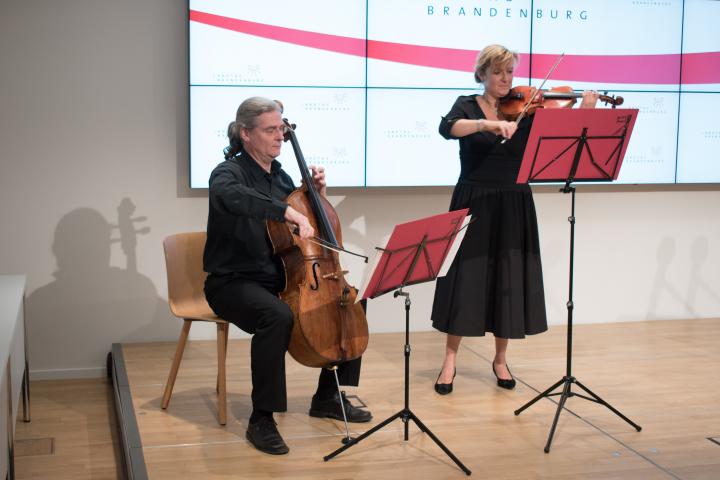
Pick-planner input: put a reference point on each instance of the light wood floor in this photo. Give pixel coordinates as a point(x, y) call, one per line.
point(71, 434)
point(662, 375)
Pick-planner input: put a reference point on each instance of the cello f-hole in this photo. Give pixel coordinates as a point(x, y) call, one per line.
point(315, 276)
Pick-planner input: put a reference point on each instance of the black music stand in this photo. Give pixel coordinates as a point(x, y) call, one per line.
point(575, 146)
point(434, 239)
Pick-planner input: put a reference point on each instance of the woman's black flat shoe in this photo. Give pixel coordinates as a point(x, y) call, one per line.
point(501, 382)
point(444, 388)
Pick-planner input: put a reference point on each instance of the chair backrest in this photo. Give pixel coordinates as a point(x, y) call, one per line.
point(185, 275)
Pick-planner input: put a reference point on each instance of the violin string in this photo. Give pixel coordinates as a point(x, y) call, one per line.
point(527, 105)
point(552, 69)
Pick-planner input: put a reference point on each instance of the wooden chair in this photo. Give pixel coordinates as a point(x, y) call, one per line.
point(186, 278)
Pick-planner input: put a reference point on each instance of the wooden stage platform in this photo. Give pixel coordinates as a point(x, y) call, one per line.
point(663, 375)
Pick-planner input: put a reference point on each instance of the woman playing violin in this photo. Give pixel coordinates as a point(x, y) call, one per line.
point(495, 283)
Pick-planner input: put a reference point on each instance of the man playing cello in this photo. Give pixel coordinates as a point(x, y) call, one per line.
point(245, 191)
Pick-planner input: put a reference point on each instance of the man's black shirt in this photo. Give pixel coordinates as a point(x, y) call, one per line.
point(242, 197)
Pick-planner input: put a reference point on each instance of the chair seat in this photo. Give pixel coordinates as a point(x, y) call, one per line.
point(194, 308)
point(199, 313)
point(211, 317)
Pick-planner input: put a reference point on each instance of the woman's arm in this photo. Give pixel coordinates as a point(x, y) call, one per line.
point(465, 127)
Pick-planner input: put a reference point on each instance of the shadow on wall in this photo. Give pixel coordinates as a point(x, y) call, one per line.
point(663, 286)
point(73, 320)
point(697, 284)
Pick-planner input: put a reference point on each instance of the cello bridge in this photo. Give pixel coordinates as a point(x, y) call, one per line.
point(344, 297)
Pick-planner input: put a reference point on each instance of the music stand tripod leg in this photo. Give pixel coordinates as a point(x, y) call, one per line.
point(539, 396)
point(561, 403)
point(405, 414)
point(363, 436)
point(437, 441)
point(612, 409)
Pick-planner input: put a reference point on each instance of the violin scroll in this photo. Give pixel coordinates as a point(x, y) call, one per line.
point(612, 100)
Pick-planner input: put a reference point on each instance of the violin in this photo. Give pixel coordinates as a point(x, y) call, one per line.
point(329, 326)
point(525, 99)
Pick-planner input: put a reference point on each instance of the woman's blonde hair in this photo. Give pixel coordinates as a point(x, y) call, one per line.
point(493, 55)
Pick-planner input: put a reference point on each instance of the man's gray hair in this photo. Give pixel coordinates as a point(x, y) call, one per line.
point(246, 117)
point(253, 107)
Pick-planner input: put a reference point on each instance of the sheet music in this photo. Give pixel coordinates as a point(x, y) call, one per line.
point(457, 241)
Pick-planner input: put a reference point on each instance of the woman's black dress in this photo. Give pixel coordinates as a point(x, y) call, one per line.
point(495, 283)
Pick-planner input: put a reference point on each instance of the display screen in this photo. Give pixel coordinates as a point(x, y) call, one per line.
point(366, 82)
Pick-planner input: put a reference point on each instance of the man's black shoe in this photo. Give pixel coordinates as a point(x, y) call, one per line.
point(264, 436)
point(330, 408)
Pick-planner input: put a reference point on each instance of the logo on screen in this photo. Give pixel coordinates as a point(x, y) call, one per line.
point(498, 12)
point(657, 106)
point(252, 75)
point(339, 156)
point(419, 130)
point(651, 3)
point(336, 103)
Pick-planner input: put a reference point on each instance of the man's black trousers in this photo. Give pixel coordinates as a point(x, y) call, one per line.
point(256, 309)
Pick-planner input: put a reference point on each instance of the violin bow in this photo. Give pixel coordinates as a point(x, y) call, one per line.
point(527, 105)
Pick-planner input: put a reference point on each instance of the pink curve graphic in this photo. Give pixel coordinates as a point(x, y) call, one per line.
point(425, 56)
point(322, 41)
point(697, 68)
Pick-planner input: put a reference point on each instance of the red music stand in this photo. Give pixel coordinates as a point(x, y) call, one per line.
point(416, 252)
point(583, 145)
point(580, 145)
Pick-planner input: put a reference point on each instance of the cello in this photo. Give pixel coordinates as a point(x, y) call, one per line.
point(329, 326)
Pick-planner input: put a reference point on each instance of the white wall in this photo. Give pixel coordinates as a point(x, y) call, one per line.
point(93, 145)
